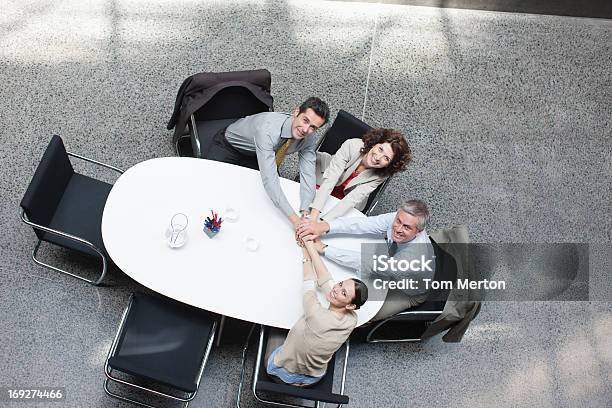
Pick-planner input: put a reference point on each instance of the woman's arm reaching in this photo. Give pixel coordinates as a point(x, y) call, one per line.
point(320, 269)
point(309, 273)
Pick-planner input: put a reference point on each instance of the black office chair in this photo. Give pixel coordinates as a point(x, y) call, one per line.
point(416, 319)
point(162, 341)
point(345, 127)
point(65, 208)
point(232, 102)
point(322, 391)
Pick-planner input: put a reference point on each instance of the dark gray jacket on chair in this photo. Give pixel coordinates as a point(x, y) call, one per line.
point(198, 89)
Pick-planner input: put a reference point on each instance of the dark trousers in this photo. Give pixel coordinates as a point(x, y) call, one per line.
point(221, 150)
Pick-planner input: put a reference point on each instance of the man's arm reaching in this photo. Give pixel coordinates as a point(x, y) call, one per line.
point(269, 177)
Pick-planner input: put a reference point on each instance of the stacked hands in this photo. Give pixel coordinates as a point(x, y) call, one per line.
point(307, 229)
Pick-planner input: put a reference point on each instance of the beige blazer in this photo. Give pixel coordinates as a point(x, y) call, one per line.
point(331, 171)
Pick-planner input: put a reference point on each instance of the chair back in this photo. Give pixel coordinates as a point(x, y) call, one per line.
point(48, 184)
point(372, 198)
point(345, 127)
point(446, 270)
point(230, 103)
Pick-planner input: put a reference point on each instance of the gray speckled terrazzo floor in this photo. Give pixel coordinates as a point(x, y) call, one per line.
point(508, 116)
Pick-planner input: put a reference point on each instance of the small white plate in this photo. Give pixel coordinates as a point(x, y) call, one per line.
point(231, 214)
point(251, 243)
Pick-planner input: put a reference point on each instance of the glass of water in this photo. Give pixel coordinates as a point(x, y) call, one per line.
point(176, 234)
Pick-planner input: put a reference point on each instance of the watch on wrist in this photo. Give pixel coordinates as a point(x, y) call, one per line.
point(305, 260)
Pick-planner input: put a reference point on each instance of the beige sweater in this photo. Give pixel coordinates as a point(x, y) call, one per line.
point(316, 336)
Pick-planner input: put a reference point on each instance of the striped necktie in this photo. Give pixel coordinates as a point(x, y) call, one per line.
point(282, 152)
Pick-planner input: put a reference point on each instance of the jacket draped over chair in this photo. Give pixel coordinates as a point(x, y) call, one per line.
point(459, 309)
point(198, 89)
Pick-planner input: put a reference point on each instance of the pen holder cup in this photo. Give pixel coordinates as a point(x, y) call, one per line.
point(210, 233)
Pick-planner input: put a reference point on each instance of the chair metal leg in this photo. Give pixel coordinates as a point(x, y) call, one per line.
point(221, 326)
point(377, 196)
point(176, 144)
point(371, 209)
point(133, 401)
point(55, 268)
point(244, 352)
point(196, 138)
point(176, 147)
point(99, 163)
point(344, 366)
point(82, 241)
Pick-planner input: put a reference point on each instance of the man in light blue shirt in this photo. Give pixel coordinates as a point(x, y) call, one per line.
point(407, 241)
point(261, 141)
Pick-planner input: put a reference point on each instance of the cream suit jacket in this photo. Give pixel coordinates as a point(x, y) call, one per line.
point(331, 171)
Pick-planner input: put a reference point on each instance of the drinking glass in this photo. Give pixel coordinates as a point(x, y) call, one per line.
point(176, 234)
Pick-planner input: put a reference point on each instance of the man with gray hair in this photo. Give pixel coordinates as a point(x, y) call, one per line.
point(407, 242)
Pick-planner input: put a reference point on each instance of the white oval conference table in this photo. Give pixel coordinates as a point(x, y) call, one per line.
point(217, 274)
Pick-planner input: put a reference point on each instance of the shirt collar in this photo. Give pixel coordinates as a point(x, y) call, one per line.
point(286, 129)
point(420, 238)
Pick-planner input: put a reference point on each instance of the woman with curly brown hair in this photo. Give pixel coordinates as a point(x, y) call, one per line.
point(357, 168)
